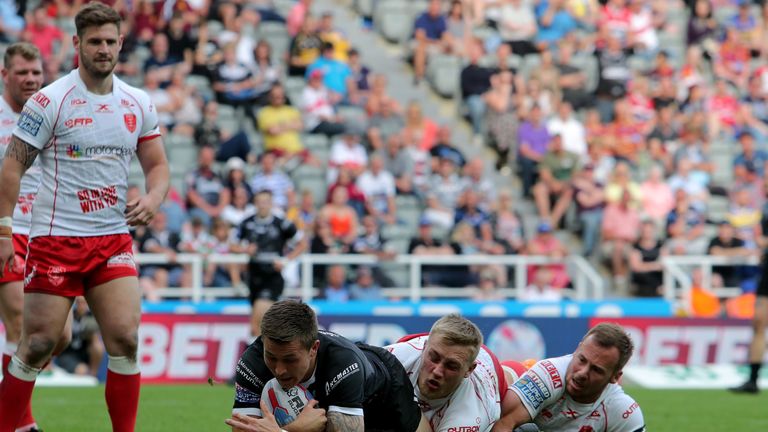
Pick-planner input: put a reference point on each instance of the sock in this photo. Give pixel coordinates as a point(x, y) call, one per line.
point(122, 393)
point(15, 393)
point(754, 370)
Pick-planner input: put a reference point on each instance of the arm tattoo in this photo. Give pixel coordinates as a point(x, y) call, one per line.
point(22, 152)
point(338, 422)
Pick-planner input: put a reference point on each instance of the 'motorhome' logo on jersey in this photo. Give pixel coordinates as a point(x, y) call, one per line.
point(347, 372)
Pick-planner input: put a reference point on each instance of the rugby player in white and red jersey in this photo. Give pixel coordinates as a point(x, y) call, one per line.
point(85, 127)
point(457, 381)
point(578, 392)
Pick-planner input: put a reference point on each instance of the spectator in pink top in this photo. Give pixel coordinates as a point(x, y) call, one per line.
point(297, 15)
point(656, 197)
point(621, 224)
point(45, 35)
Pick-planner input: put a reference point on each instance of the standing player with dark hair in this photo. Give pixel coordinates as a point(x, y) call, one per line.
point(267, 236)
point(86, 127)
point(357, 387)
point(578, 392)
point(22, 78)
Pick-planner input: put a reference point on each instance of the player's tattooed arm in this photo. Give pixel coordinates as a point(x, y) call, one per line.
point(22, 152)
point(338, 422)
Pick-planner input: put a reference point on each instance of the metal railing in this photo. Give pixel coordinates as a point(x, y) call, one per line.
point(678, 271)
point(587, 283)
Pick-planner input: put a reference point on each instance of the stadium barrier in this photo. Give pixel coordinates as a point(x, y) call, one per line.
point(587, 282)
point(678, 277)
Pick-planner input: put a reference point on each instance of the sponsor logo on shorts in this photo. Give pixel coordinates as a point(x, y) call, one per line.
point(79, 122)
point(464, 429)
point(30, 122)
point(78, 102)
point(243, 395)
point(557, 382)
point(630, 410)
point(533, 389)
point(341, 376)
point(29, 276)
point(56, 275)
point(130, 122)
point(124, 259)
point(586, 429)
point(41, 99)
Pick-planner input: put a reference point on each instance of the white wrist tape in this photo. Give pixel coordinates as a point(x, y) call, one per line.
point(6, 221)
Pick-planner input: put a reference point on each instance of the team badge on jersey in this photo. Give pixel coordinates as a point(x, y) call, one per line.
point(130, 122)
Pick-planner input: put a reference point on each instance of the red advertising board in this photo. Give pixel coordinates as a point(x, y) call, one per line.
point(685, 341)
point(191, 348)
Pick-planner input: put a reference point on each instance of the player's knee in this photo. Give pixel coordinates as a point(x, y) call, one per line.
point(125, 345)
point(37, 349)
point(63, 343)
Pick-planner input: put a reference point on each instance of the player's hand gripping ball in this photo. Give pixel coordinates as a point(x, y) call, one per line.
point(285, 405)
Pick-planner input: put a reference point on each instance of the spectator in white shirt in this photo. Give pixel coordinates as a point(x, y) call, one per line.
point(378, 186)
point(349, 153)
point(273, 180)
point(570, 129)
point(318, 107)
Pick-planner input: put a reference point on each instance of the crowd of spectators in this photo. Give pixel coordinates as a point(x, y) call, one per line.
point(612, 114)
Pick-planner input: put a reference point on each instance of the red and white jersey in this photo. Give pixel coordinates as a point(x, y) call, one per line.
point(476, 403)
point(22, 213)
point(87, 142)
point(542, 390)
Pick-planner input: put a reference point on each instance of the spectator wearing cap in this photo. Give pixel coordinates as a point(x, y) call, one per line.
point(305, 48)
point(271, 178)
point(547, 244)
point(337, 76)
point(318, 107)
point(234, 176)
point(365, 286)
point(753, 159)
point(555, 173)
point(430, 35)
point(533, 139)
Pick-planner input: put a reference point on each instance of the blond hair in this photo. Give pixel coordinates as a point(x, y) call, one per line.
point(454, 329)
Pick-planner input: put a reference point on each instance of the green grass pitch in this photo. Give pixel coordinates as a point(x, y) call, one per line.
point(202, 408)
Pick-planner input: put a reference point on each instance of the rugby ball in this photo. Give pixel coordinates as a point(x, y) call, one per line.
point(285, 405)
